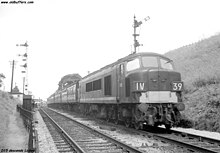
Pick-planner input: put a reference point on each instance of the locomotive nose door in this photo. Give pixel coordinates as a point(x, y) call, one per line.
point(153, 80)
point(158, 80)
point(164, 74)
point(163, 80)
point(159, 77)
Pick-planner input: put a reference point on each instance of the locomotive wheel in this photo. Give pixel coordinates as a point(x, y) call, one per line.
point(116, 121)
point(107, 118)
point(138, 126)
point(115, 116)
point(86, 111)
point(108, 115)
point(168, 127)
point(127, 123)
point(156, 124)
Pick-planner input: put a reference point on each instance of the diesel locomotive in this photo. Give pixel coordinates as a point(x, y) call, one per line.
point(139, 89)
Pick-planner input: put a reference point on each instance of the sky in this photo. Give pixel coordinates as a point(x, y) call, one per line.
point(70, 36)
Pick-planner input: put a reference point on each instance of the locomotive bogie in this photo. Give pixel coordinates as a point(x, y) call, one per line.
point(155, 114)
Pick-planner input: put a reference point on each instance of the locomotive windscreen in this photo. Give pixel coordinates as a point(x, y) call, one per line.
point(152, 61)
point(149, 61)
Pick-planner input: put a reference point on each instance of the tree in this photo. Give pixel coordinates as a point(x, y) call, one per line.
point(15, 90)
point(68, 79)
point(2, 76)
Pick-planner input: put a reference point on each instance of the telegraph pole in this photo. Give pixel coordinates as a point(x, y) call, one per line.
point(12, 76)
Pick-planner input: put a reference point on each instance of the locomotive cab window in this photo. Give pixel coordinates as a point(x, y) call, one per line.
point(133, 64)
point(149, 61)
point(166, 64)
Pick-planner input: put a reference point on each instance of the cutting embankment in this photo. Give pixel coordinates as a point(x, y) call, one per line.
point(13, 134)
point(199, 65)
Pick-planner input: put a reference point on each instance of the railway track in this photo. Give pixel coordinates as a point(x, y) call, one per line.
point(60, 138)
point(190, 142)
point(197, 144)
point(72, 136)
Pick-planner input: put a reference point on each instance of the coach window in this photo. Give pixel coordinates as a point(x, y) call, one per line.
point(133, 64)
point(166, 64)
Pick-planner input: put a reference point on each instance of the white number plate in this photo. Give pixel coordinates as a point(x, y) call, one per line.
point(177, 86)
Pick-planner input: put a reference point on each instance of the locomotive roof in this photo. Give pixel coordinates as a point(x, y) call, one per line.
point(130, 56)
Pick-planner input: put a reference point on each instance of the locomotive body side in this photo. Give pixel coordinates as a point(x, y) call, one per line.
point(144, 88)
point(99, 87)
point(141, 88)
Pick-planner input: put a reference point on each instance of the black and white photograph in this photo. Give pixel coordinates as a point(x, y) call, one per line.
point(101, 76)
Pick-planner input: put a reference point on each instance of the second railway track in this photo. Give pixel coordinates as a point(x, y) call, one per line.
point(191, 142)
point(72, 136)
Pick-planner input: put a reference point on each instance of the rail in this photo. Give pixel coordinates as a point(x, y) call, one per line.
point(100, 140)
point(191, 142)
point(64, 134)
point(188, 141)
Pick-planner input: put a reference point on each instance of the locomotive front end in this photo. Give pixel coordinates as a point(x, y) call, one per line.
point(157, 90)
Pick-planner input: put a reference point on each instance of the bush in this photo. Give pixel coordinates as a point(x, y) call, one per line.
point(200, 124)
point(11, 97)
point(185, 122)
point(208, 121)
point(216, 126)
point(200, 82)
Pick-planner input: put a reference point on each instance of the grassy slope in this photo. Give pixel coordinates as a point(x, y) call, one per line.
point(199, 64)
point(7, 105)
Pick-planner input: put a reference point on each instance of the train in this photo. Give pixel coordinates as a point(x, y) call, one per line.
point(137, 90)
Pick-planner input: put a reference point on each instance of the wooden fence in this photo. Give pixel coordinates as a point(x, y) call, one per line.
point(29, 124)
